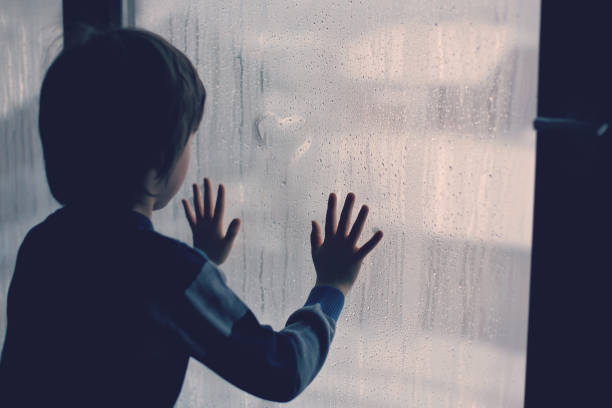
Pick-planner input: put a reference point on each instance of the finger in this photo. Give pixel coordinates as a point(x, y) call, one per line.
point(207, 199)
point(232, 232)
point(189, 214)
point(369, 246)
point(219, 207)
point(345, 217)
point(330, 218)
point(358, 226)
point(315, 237)
point(197, 201)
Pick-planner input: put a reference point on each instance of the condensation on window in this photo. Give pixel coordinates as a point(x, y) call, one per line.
point(30, 37)
point(424, 110)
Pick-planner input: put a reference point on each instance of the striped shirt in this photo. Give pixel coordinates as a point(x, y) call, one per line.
point(105, 311)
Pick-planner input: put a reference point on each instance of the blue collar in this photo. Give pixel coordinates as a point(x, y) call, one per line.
point(139, 221)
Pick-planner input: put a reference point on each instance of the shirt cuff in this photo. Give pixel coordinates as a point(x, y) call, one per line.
point(330, 299)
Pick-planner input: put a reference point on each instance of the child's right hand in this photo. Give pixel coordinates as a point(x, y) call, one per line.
point(337, 259)
point(207, 223)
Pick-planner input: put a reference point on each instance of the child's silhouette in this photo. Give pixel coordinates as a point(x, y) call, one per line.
point(103, 310)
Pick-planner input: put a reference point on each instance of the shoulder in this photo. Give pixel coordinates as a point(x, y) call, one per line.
point(172, 256)
point(35, 235)
point(177, 250)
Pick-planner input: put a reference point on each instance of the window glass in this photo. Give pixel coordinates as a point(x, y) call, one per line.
point(424, 110)
point(30, 37)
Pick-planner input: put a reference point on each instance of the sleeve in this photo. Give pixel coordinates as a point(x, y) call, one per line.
point(220, 331)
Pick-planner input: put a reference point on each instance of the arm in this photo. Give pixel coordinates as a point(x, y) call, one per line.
point(221, 332)
point(279, 365)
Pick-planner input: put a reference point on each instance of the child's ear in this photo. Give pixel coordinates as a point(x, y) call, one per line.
point(152, 180)
point(157, 165)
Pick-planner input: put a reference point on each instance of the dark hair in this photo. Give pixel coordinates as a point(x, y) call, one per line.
point(113, 106)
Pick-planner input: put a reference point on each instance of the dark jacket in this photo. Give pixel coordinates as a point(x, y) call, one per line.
point(104, 311)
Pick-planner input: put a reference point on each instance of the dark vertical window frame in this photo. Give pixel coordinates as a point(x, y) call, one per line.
point(569, 340)
point(99, 13)
point(128, 17)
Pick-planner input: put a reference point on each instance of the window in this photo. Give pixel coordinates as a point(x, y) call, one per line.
point(424, 110)
point(31, 35)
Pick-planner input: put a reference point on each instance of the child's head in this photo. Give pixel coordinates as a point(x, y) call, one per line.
point(114, 107)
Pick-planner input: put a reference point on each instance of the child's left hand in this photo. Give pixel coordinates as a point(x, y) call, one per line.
point(207, 224)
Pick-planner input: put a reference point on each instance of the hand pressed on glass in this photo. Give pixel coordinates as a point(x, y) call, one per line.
point(337, 259)
point(207, 223)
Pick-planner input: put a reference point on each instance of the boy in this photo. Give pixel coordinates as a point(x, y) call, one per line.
point(103, 310)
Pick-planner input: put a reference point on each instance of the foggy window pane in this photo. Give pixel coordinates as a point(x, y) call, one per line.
point(423, 109)
point(31, 36)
